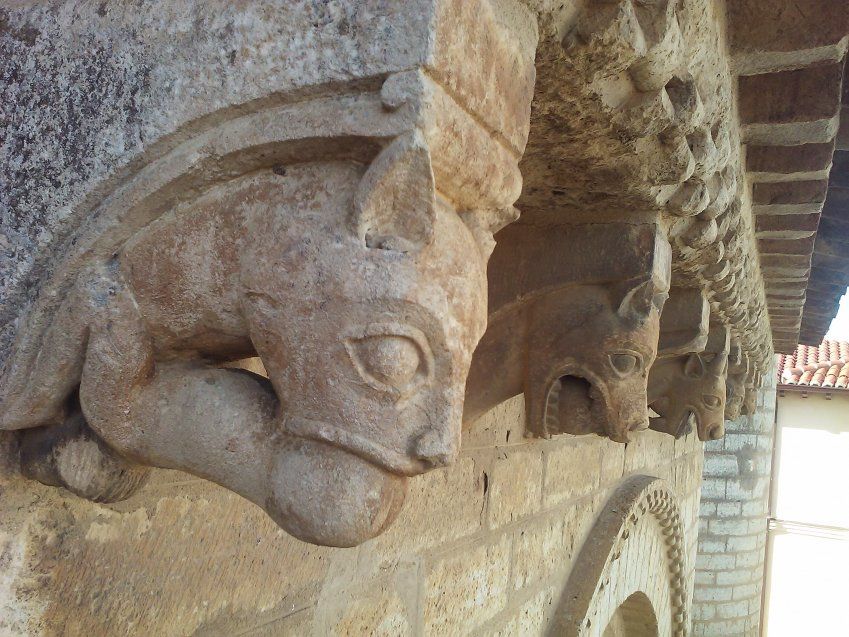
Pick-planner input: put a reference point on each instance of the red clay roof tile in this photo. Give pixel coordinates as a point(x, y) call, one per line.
point(826, 365)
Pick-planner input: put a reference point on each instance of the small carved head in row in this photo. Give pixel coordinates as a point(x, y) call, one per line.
point(695, 389)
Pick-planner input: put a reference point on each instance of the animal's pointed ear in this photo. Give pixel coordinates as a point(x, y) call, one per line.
point(394, 207)
point(483, 224)
point(719, 365)
point(640, 298)
point(694, 367)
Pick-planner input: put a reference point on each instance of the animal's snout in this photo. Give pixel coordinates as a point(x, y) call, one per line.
point(436, 448)
point(714, 431)
point(325, 495)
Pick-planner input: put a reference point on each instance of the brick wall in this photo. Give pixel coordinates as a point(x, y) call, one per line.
point(733, 524)
point(483, 547)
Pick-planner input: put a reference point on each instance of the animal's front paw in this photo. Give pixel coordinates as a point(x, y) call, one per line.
point(72, 456)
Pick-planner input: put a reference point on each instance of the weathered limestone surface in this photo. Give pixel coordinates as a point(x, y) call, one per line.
point(187, 557)
point(94, 91)
point(337, 226)
point(188, 184)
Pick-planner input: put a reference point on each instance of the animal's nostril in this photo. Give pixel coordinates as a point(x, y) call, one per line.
point(715, 432)
point(639, 425)
point(435, 461)
point(435, 449)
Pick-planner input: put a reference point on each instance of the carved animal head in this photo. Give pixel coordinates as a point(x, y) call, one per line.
point(693, 385)
point(735, 391)
point(750, 398)
point(590, 375)
point(735, 384)
point(365, 299)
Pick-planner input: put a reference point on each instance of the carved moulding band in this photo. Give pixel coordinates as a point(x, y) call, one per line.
point(636, 542)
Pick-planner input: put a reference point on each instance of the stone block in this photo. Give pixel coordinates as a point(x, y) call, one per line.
point(735, 609)
point(297, 624)
point(649, 449)
point(798, 263)
point(544, 547)
point(754, 508)
point(684, 323)
point(782, 163)
point(785, 226)
point(612, 461)
point(197, 560)
point(747, 591)
point(445, 504)
point(728, 578)
point(501, 426)
point(739, 526)
point(703, 612)
point(710, 544)
point(726, 628)
point(720, 465)
point(377, 609)
point(571, 471)
point(467, 587)
point(791, 107)
point(768, 35)
point(531, 617)
point(749, 559)
point(713, 488)
point(728, 509)
point(745, 490)
point(515, 484)
point(789, 192)
point(758, 525)
point(712, 594)
point(717, 562)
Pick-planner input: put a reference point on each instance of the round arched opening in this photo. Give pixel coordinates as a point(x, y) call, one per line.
point(635, 617)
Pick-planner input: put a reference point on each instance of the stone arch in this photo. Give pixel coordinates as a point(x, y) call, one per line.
point(616, 584)
point(635, 617)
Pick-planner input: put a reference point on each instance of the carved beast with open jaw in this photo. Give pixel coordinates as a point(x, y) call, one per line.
point(687, 381)
point(685, 386)
point(576, 334)
point(364, 294)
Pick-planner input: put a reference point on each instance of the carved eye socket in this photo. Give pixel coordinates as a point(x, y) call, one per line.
point(711, 401)
point(396, 363)
point(625, 363)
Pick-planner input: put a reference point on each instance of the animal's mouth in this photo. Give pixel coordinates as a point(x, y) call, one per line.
point(575, 405)
point(373, 452)
point(679, 429)
point(685, 425)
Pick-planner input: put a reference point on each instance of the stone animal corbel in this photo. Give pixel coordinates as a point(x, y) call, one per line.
point(691, 387)
point(361, 289)
point(750, 394)
point(735, 385)
point(577, 337)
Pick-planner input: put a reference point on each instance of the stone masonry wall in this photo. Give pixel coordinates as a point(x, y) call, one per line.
point(482, 547)
point(733, 524)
